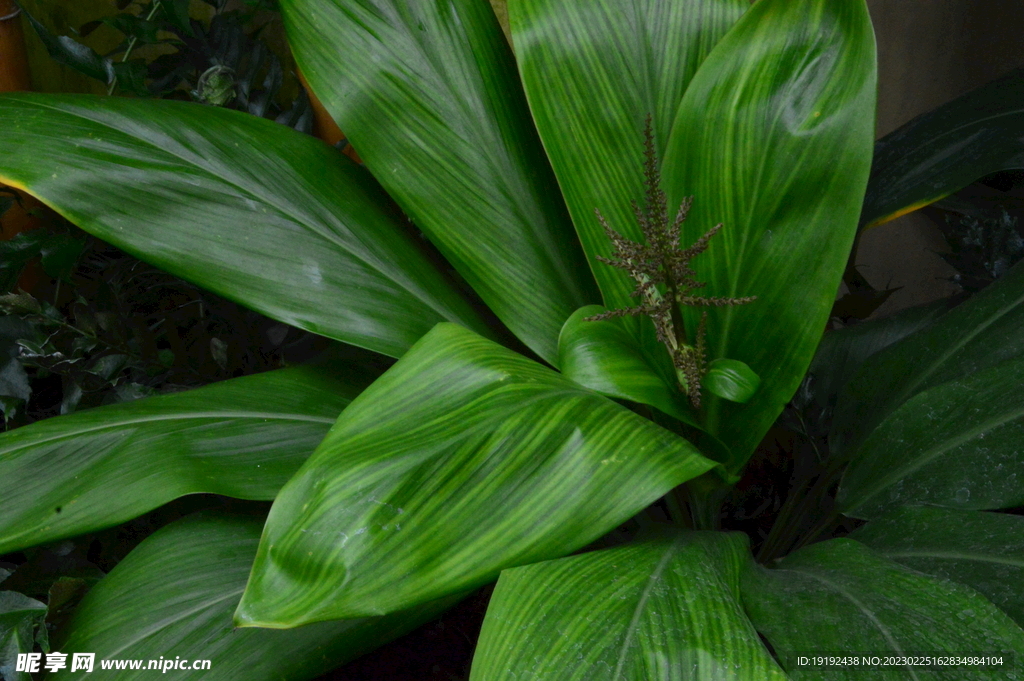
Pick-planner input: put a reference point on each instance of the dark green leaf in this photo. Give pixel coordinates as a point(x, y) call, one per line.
point(173, 597)
point(603, 356)
point(144, 31)
point(176, 12)
point(16, 253)
point(842, 351)
point(462, 460)
point(982, 550)
point(60, 253)
point(131, 77)
point(593, 71)
point(70, 52)
point(242, 438)
point(430, 97)
point(731, 380)
point(19, 617)
point(984, 331)
point(957, 445)
point(249, 209)
point(773, 140)
point(839, 598)
point(666, 609)
point(947, 149)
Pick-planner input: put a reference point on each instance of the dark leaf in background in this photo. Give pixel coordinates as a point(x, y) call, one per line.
point(19, 618)
point(71, 53)
point(947, 149)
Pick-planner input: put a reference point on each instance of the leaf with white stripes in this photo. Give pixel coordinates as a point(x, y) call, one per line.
point(171, 600)
point(96, 468)
point(667, 608)
point(463, 459)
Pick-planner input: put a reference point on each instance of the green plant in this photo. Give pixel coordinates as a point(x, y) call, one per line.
point(498, 448)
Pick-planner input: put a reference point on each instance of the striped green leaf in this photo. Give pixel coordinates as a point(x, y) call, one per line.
point(19, 618)
point(603, 356)
point(979, 334)
point(667, 608)
point(593, 71)
point(773, 139)
point(958, 444)
point(462, 460)
point(246, 208)
point(241, 438)
point(985, 551)
point(839, 598)
point(172, 597)
point(428, 94)
point(946, 149)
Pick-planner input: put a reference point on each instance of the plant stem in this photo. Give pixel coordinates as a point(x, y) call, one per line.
point(131, 46)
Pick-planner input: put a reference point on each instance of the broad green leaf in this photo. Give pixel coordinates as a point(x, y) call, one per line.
point(603, 356)
point(19, 617)
point(248, 209)
point(667, 608)
point(731, 379)
point(241, 438)
point(773, 140)
point(593, 71)
point(842, 351)
point(946, 149)
point(429, 95)
point(982, 332)
point(985, 551)
point(957, 445)
point(839, 598)
point(173, 597)
point(462, 460)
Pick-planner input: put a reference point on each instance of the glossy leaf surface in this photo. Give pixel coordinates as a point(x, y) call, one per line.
point(19, 616)
point(974, 336)
point(173, 596)
point(246, 208)
point(463, 459)
point(958, 445)
point(946, 149)
point(839, 598)
point(731, 379)
point(842, 351)
point(603, 356)
point(593, 71)
point(241, 438)
point(667, 608)
point(773, 140)
point(985, 551)
point(429, 95)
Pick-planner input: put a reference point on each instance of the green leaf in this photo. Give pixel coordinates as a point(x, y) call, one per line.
point(958, 445)
point(462, 460)
point(66, 50)
point(731, 380)
point(773, 139)
point(60, 254)
point(173, 596)
point(842, 351)
point(667, 609)
point(593, 71)
point(985, 551)
point(946, 149)
point(839, 598)
point(430, 97)
point(241, 438)
point(603, 356)
point(248, 209)
point(978, 334)
point(19, 617)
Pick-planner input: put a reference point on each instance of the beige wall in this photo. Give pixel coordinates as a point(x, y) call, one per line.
point(930, 51)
